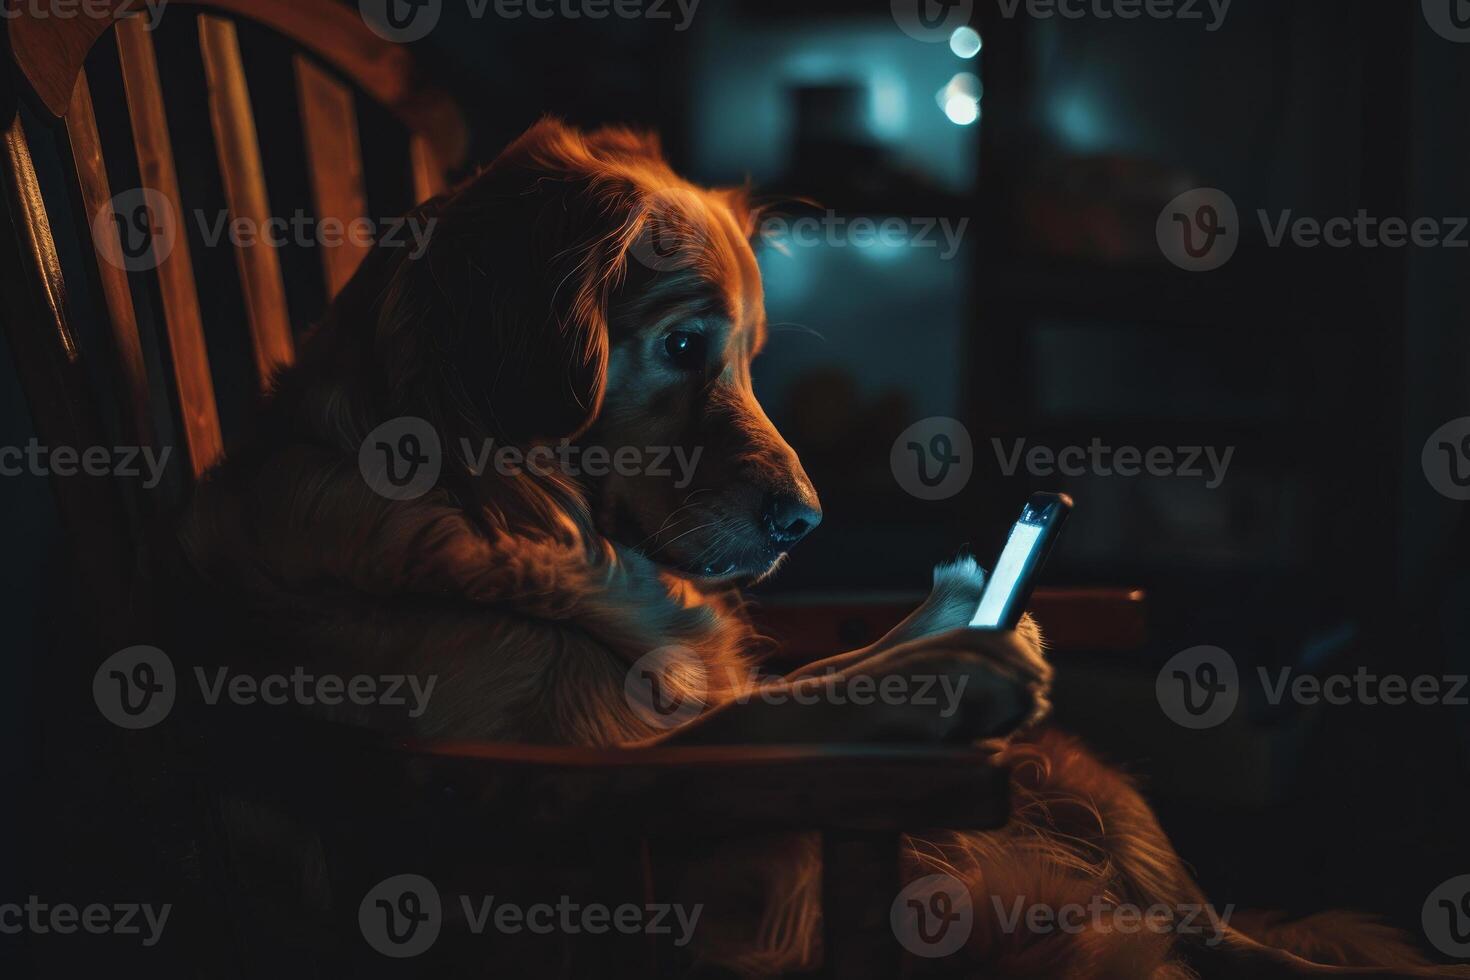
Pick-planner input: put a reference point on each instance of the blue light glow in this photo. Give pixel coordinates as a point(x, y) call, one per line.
point(965, 42)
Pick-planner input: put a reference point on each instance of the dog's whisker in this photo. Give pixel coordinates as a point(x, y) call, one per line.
point(667, 523)
point(725, 533)
point(793, 327)
point(676, 537)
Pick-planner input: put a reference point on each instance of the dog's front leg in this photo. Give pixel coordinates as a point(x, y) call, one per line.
point(951, 603)
point(957, 686)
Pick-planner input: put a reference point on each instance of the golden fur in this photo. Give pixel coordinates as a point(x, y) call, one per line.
point(530, 596)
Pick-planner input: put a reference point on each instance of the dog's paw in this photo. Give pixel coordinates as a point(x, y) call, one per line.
point(998, 681)
point(979, 702)
point(950, 605)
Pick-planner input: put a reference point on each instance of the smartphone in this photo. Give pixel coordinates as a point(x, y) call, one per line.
point(1009, 587)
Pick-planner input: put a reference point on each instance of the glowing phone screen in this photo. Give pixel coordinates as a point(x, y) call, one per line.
point(1009, 570)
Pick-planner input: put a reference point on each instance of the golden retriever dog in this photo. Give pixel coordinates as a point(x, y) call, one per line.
point(578, 300)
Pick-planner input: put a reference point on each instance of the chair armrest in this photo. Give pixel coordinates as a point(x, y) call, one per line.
point(679, 791)
point(721, 790)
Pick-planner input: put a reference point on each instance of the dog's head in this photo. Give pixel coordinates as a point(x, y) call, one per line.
point(578, 295)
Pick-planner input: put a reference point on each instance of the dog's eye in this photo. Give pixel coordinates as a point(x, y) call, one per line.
point(686, 349)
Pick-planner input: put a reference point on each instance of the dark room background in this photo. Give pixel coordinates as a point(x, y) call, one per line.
point(1039, 309)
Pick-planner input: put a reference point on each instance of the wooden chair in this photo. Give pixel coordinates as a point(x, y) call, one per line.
point(443, 800)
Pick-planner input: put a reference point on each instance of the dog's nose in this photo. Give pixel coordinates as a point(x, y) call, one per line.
point(789, 518)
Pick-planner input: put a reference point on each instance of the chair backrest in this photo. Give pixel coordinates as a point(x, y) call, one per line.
point(334, 52)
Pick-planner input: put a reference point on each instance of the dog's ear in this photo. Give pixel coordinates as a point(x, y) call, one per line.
point(747, 212)
point(501, 322)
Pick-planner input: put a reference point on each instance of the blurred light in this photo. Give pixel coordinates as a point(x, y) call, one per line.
point(786, 273)
point(888, 106)
point(814, 65)
point(960, 99)
point(883, 251)
point(961, 109)
point(965, 83)
point(965, 42)
point(1076, 117)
